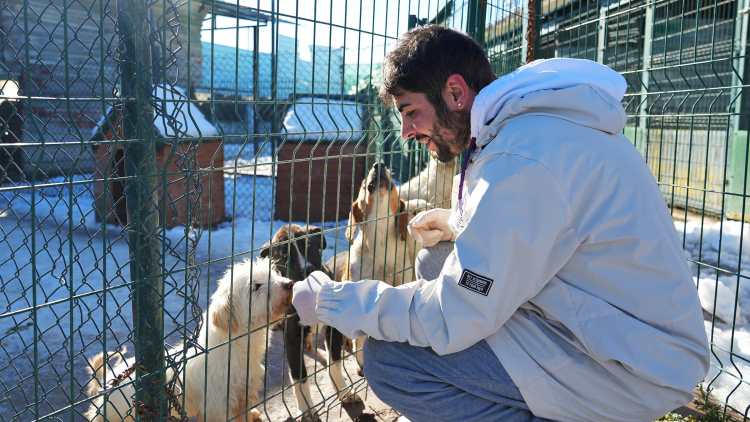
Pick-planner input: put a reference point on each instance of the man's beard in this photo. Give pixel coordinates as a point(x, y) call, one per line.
point(451, 134)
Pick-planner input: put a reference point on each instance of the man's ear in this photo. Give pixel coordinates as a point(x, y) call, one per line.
point(266, 250)
point(456, 92)
point(403, 219)
point(356, 216)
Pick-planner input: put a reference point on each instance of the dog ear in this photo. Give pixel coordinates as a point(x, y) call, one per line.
point(266, 250)
point(403, 219)
point(312, 230)
point(220, 311)
point(355, 217)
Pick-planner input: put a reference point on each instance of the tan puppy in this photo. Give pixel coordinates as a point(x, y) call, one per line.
point(243, 298)
point(384, 250)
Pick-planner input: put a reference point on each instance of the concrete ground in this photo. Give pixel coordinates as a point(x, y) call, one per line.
point(281, 404)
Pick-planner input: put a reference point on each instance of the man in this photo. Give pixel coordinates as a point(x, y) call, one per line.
point(559, 289)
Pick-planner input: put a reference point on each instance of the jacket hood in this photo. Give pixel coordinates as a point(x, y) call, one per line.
point(581, 91)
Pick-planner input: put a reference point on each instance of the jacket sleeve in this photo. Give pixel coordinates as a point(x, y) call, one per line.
point(519, 234)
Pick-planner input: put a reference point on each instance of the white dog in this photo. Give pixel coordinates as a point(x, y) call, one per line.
point(243, 299)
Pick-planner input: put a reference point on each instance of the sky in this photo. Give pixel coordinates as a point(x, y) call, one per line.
point(369, 26)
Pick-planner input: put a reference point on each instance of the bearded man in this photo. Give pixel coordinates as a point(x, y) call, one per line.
point(556, 287)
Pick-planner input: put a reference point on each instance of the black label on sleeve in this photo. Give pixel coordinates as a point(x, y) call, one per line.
point(475, 282)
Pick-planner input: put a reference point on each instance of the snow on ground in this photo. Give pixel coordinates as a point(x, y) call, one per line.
point(724, 245)
point(63, 253)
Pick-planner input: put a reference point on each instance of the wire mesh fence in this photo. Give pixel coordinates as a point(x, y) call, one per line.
point(159, 157)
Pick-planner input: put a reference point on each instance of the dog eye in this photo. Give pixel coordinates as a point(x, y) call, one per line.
point(370, 187)
point(256, 287)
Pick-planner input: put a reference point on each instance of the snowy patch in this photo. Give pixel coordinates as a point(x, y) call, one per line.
point(174, 112)
point(726, 385)
point(726, 245)
point(323, 120)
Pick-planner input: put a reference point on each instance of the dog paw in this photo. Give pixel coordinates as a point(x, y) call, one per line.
point(360, 372)
point(311, 416)
point(308, 342)
point(255, 414)
point(349, 397)
point(348, 343)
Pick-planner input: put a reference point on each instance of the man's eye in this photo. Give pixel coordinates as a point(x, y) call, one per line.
point(410, 113)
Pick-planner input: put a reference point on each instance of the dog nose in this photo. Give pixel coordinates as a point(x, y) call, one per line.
point(289, 285)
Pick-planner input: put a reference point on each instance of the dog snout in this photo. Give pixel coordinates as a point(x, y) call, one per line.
point(289, 285)
point(375, 166)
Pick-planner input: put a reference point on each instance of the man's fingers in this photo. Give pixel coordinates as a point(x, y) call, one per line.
point(415, 233)
point(423, 219)
point(431, 237)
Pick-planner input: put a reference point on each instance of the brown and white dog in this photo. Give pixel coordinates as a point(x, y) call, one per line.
point(240, 306)
point(295, 252)
point(383, 250)
point(432, 184)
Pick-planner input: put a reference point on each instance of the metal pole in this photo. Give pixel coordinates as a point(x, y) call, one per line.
point(740, 45)
point(533, 30)
point(142, 204)
point(476, 19)
point(274, 96)
point(648, 32)
point(256, 86)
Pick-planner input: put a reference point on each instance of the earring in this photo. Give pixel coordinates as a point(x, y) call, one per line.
point(459, 105)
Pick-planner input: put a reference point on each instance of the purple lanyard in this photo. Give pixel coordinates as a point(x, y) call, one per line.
point(472, 145)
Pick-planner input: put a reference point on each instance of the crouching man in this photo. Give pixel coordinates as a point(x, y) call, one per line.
point(556, 287)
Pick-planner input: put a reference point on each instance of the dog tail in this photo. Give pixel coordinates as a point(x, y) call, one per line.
point(96, 370)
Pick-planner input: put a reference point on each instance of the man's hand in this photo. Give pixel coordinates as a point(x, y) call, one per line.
point(306, 297)
point(431, 227)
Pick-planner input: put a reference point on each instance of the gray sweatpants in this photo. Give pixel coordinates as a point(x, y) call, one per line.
point(470, 385)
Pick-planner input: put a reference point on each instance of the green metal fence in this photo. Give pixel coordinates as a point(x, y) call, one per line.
point(150, 146)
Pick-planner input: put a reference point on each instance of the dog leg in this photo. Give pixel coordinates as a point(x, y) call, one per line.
point(358, 345)
point(304, 401)
point(335, 343)
point(307, 332)
point(293, 341)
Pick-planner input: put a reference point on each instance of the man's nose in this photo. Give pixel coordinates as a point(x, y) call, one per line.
point(407, 129)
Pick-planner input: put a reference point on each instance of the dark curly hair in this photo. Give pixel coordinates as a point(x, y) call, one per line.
point(426, 56)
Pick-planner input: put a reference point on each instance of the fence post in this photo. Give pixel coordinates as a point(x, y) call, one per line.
point(476, 19)
point(142, 204)
point(532, 30)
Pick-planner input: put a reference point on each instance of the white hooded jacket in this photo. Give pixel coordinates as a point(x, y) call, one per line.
point(567, 262)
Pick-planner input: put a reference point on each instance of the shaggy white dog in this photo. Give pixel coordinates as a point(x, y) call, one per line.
point(245, 303)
